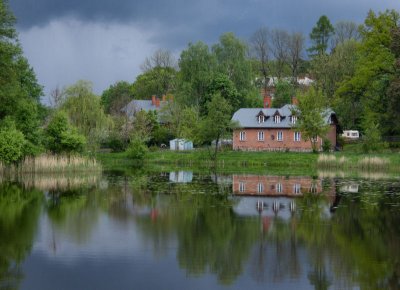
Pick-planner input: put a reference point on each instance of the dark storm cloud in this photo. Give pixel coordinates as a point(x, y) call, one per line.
point(180, 21)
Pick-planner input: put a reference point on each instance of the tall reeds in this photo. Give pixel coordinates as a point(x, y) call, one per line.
point(47, 163)
point(366, 163)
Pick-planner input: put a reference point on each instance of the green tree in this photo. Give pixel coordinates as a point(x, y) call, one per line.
point(321, 35)
point(223, 86)
point(232, 61)
point(182, 121)
point(85, 112)
point(157, 81)
point(196, 67)
point(62, 137)
point(19, 91)
point(284, 91)
point(374, 69)
point(217, 123)
point(312, 113)
point(12, 144)
point(116, 97)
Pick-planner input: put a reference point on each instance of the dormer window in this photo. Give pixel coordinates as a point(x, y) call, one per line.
point(261, 119)
point(293, 119)
point(277, 119)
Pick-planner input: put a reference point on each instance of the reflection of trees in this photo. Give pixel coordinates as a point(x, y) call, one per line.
point(74, 211)
point(212, 238)
point(19, 212)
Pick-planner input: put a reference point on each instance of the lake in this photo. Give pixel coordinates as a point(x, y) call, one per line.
point(191, 230)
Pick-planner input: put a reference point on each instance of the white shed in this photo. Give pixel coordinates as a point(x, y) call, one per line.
point(351, 134)
point(180, 144)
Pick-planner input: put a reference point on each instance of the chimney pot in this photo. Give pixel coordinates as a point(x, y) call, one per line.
point(153, 100)
point(267, 102)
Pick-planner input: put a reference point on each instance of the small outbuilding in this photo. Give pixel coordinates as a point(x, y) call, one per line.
point(351, 134)
point(181, 144)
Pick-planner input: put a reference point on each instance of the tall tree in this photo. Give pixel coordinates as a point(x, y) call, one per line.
point(86, 113)
point(159, 75)
point(295, 54)
point(197, 65)
point(261, 51)
point(217, 123)
point(231, 54)
point(157, 81)
point(19, 90)
point(320, 36)
point(116, 97)
point(280, 50)
point(344, 31)
point(374, 69)
point(312, 112)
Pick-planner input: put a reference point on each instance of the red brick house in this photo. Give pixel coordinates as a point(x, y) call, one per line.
point(273, 129)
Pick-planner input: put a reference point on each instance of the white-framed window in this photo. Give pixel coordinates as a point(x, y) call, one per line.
point(242, 136)
point(260, 187)
point(314, 139)
point(293, 119)
point(297, 188)
point(261, 118)
point(279, 136)
point(260, 136)
point(297, 136)
point(279, 187)
point(242, 186)
point(277, 119)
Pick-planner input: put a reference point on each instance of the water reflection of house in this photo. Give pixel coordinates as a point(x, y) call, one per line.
point(349, 187)
point(275, 185)
point(181, 176)
point(276, 195)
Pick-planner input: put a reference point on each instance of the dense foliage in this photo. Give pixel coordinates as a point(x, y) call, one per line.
point(19, 91)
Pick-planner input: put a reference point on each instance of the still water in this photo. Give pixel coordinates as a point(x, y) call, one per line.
point(185, 230)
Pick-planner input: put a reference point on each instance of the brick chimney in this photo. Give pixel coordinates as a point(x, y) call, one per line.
point(157, 102)
point(295, 101)
point(153, 100)
point(267, 101)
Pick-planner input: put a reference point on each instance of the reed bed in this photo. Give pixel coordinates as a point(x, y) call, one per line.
point(55, 181)
point(47, 163)
point(366, 163)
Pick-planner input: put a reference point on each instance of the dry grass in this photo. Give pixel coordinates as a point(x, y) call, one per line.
point(373, 163)
point(47, 163)
point(366, 163)
point(54, 181)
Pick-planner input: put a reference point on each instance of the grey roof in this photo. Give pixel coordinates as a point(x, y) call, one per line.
point(138, 105)
point(248, 117)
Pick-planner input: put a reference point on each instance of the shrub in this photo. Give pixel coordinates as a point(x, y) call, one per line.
point(63, 137)
point(137, 149)
point(12, 144)
point(326, 145)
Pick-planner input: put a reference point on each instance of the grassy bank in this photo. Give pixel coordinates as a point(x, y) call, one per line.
point(231, 161)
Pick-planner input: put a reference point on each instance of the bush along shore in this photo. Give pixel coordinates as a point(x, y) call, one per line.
point(47, 163)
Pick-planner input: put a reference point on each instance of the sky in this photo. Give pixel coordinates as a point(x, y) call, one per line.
point(105, 41)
